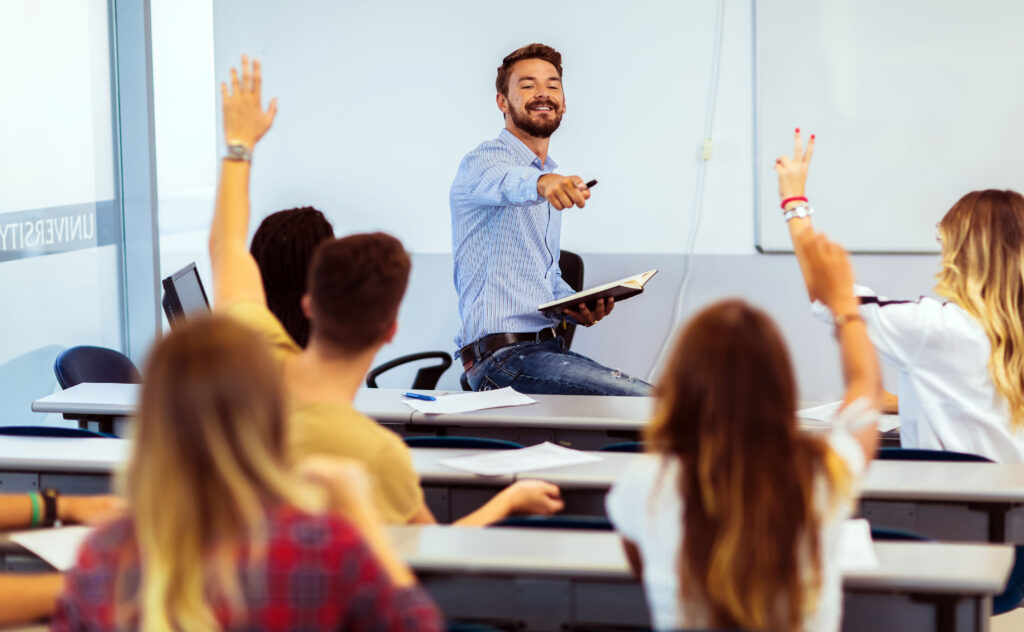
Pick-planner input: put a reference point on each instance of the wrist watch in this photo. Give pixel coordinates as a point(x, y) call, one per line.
point(800, 211)
point(50, 517)
point(238, 151)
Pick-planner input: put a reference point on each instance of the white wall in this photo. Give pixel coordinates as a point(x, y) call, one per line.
point(726, 263)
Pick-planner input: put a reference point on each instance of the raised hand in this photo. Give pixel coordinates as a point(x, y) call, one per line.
point(828, 273)
point(245, 121)
point(533, 497)
point(563, 191)
point(793, 170)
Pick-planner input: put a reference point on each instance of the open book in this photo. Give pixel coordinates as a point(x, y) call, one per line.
point(619, 290)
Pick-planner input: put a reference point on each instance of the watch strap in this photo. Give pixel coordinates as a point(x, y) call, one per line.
point(798, 211)
point(50, 517)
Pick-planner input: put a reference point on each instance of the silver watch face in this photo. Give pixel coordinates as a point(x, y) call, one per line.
point(239, 152)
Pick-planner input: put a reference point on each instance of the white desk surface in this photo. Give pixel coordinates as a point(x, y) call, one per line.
point(92, 399)
point(48, 454)
point(885, 480)
point(122, 399)
point(908, 566)
point(566, 412)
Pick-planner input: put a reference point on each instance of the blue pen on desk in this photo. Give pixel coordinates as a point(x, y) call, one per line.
point(426, 398)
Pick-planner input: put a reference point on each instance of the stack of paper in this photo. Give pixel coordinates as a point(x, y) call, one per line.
point(824, 414)
point(856, 548)
point(57, 547)
point(468, 402)
point(501, 462)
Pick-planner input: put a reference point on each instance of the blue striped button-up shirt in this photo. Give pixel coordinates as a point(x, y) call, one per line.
point(505, 241)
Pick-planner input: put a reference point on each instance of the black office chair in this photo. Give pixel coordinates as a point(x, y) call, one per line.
point(470, 443)
point(52, 431)
point(917, 454)
point(85, 364)
point(571, 265)
point(625, 446)
point(586, 523)
point(426, 378)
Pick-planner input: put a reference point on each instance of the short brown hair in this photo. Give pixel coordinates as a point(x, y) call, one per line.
point(531, 51)
point(356, 285)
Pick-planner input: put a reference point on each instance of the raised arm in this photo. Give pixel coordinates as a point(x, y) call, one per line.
point(236, 277)
point(830, 279)
point(792, 173)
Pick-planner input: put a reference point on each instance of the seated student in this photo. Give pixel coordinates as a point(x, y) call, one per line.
point(283, 247)
point(220, 534)
point(27, 597)
point(733, 521)
point(960, 362)
point(355, 289)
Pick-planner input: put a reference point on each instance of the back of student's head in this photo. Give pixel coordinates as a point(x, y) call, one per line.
point(983, 272)
point(727, 411)
point(283, 247)
point(207, 462)
point(356, 285)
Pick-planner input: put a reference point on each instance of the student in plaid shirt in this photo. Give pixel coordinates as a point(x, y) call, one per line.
point(220, 534)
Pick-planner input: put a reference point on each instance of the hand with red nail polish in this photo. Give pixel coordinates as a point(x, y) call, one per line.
point(792, 171)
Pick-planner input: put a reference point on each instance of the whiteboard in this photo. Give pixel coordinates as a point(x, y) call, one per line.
point(914, 103)
point(380, 100)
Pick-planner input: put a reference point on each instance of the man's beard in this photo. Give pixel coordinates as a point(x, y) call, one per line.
point(537, 129)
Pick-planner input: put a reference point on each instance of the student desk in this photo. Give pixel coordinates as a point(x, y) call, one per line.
point(975, 502)
point(981, 502)
point(121, 400)
point(552, 579)
point(584, 422)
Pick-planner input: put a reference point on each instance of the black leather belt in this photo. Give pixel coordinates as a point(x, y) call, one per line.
point(479, 349)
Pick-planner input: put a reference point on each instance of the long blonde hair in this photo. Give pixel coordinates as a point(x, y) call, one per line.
point(983, 272)
point(749, 477)
point(206, 465)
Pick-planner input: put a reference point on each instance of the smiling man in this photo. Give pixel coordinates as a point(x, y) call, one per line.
point(506, 204)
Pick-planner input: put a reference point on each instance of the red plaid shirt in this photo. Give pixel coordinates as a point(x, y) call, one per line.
point(318, 574)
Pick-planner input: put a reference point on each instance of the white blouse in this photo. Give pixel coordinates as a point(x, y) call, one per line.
point(645, 507)
point(947, 398)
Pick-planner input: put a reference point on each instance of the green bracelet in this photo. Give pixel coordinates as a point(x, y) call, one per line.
point(36, 502)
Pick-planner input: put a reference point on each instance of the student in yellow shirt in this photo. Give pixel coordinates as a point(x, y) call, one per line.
point(355, 288)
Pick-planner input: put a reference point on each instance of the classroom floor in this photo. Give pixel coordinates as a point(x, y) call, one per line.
point(1009, 622)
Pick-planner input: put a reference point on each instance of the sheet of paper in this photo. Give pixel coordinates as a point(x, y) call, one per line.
point(542, 456)
point(468, 402)
point(57, 547)
point(823, 414)
point(856, 548)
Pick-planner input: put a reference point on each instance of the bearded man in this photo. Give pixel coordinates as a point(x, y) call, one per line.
point(506, 204)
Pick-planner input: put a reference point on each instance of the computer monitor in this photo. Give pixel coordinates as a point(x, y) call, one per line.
point(184, 294)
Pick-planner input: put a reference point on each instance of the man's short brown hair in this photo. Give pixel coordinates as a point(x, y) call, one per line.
point(531, 51)
point(356, 285)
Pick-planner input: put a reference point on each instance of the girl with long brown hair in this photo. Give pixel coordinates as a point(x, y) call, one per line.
point(960, 361)
point(733, 519)
point(220, 533)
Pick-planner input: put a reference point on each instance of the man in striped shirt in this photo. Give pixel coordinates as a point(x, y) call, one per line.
point(506, 204)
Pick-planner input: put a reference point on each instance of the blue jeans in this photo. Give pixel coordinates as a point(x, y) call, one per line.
point(549, 368)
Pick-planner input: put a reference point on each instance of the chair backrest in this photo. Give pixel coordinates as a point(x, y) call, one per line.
point(625, 446)
point(94, 364)
point(426, 378)
point(472, 443)
point(915, 454)
point(52, 431)
point(571, 265)
point(589, 523)
point(885, 534)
